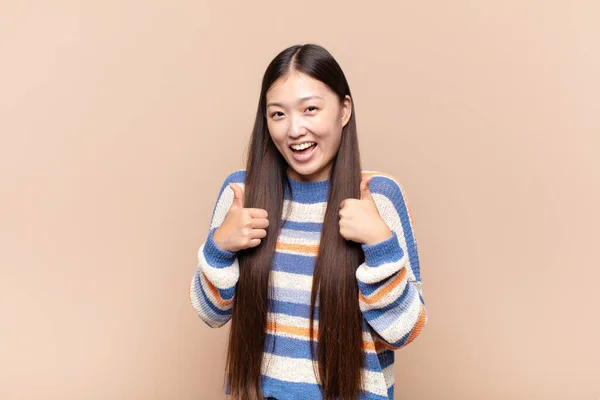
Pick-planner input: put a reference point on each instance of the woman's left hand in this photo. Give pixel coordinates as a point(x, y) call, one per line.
point(360, 220)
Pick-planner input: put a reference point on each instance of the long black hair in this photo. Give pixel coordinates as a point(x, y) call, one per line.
point(339, 349)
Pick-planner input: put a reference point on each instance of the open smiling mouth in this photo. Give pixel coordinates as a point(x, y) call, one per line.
point(304, 151)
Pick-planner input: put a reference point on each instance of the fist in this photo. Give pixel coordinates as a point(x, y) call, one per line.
point(360, 220)
point(242, 227)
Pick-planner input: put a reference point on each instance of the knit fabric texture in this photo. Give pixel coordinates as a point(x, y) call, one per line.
point(389, 282)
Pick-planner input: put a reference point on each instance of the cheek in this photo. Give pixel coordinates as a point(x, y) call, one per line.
point(328, 124)
point(327, 129)
point(277, 132)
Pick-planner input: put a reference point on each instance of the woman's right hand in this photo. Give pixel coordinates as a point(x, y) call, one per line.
point(243, 227)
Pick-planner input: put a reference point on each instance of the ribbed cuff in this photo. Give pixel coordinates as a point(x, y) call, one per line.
point(213, 253)
point(383, 252)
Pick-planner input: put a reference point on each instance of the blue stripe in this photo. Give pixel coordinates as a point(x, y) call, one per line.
point(388, 251)
point(392, 191)
point(301, 391)
point(301, 235)
point(386, 358)
point(299, 348)
point(237, 177)
point(291, 295)
point(294, 263)
point(283, 390)
point(303, 226)
point(307, 192)
point(216, 257)
point(368, 289)
point(226, 294)
point(292, 309)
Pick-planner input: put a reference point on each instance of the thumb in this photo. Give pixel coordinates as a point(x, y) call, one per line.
point(365, 192)
point(238, 196)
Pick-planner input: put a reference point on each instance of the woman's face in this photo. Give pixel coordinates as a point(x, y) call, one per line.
point(302, 111)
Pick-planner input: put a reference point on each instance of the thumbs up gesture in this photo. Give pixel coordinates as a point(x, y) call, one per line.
point(242, 227)
point(360, 220)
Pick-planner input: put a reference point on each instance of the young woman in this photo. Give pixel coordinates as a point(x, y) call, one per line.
point(313, 259)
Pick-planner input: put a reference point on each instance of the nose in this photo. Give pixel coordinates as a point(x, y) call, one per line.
point(296, 128)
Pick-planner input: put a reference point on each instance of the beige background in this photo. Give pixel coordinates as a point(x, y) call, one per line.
point(120, 120)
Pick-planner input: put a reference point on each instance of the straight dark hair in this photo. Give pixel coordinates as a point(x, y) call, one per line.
point(339, 349)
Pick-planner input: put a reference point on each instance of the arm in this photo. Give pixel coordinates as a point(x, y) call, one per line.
point(389, 282)
point(212, 288)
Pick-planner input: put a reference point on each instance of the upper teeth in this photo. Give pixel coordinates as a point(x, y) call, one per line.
point(302, 146)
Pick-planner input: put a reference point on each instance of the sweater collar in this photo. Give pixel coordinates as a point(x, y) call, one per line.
point(309, 192)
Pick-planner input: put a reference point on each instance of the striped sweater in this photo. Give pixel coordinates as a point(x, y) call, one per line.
point(389, 283)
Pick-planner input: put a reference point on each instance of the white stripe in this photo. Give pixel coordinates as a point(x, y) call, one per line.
point(197, 305)
point(402, 325)
point(223, 205)
point(301, 237)
point(388, 213)
point(288, 280)
point(388, 375)
point(300, 212)
point(290, 320)
point(194, 297)
point(369, 274)
point(385, 300)
point(301, 370)
point(287, 239)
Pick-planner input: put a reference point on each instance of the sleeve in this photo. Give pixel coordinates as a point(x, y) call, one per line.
point(389, 281)
point(212, 288)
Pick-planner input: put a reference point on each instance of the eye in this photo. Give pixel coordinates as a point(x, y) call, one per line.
point(311, 108)
point(276, 114)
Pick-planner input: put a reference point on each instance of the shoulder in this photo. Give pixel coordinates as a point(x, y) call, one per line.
point(383, 183)
point(389, 195)
point(238, 176)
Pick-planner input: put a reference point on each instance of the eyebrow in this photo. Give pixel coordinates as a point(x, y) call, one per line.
point(275, 104)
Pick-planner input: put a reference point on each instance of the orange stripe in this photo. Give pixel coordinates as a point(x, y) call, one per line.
point(375, 297)
point(381, 344)
point(293, 330)
point(305, 333)
point(368, 346)
point(299, 248)
point(215, 292)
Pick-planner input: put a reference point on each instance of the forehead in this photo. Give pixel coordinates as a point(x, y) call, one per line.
point(296, 85)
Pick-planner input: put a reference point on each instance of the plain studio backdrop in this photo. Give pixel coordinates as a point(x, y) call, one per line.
point(120, 120)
